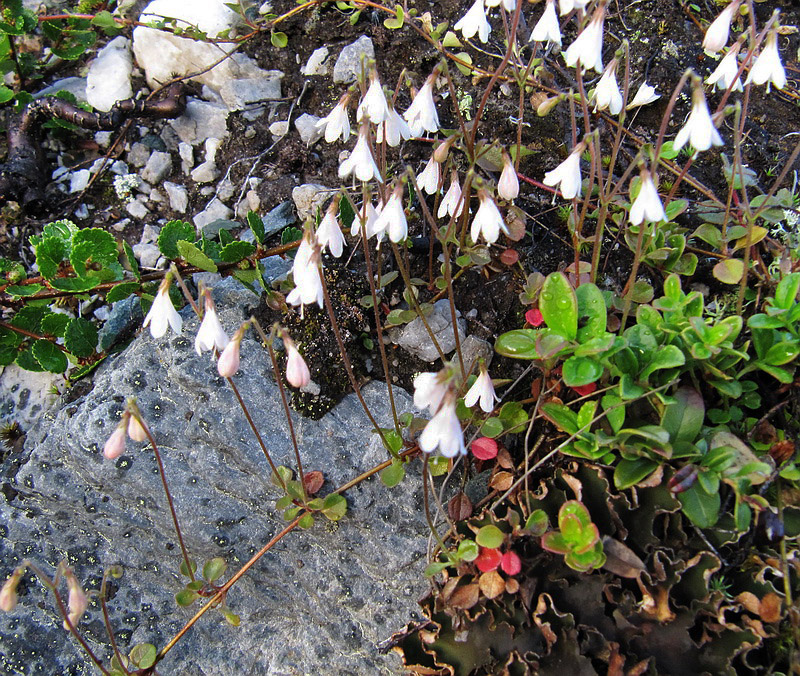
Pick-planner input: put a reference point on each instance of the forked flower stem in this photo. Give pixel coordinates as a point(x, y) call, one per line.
point(107, 622)
point(268, 342)
point(171, 504)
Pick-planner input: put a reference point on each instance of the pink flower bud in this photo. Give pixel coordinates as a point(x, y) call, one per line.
point(115, 446)
point(228, 363)
point(135, 430)
point(297, 372)
point(8, 594)
point(77, 602)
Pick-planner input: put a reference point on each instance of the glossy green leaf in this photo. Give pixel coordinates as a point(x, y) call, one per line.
point(628, 473)
point(490, 536)
point(592, 313)
point(579, 371)
point(193, 256)
point(393, 474)
point(666, 357)
point(700, 507)
point(334, 507)
point(236, 251)
point(80, 337)
point(121, 291)
point(143, 655)
point(559, 305)
point(214, 569)
point(49, 356)
point(171, 234)
point(684, 417)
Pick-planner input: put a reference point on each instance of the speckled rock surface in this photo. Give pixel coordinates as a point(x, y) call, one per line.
point(318, 603)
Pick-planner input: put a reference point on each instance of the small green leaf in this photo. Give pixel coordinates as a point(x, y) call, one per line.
point(121, 291)
point(492, 427)
point(628, 473)
point(143, 655)
point(80, 337)
point(438, 465)
point(684, 417)
point(517, 344)
point(236, 251)
point(186, 597)
point(256, 225)
point(185, 571)
point(171, 234)
point(579, 371)
point(701, 508)
point(49, 356)
point(668, 152)
point(435, 568)
point(559, 305)
point(392, 440)
point(537, 522)
point(193, 256)
point(306, 521)
point(49, 253)
point(467, 550)
point(130, 257)
point(214, 569)
point(729, 271)
point(490, 537)
point(55, 324)
point(666, 357)
point(279, 39)
point(592, 312)
point(393, 474)
point(334, 507)
point(231, 618)
point(105, 21)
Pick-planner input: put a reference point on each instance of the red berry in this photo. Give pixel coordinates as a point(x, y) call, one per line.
point(488, 559)
point(534, 317)
point(583, 390)
point(484, 448)
point(510, 563)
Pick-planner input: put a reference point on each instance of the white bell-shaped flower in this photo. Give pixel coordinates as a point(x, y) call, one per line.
point(394, 128)
point(210, 335)
point(374, 104)
point(699, 129)
point(443, 431)
point(482, 389)
point(588, 46)
point(644, 96)
point(718, 31)
point(607, 94)
point(647, 205)
point(768, 67)
point(567, 175)
point(162, 312)
point(508, 183)
point(451, 203)
point(392, 218)
point(727, 69)
point(547, 28)
point(428, 179)
point(488, 220)
point(360, 161)
point(329, 234)
point(336, 123)
point(474, 21)
point(306, 273)
point(421, 114)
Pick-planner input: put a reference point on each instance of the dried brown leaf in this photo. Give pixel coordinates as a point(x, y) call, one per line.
point(459, 507)
point(621, 560)
point(512, 586)
point(575, 485)
point(749, 601)
point(504, 459)
point(491, 584)
point(313, 482)
point(770, 607)
point(501, 481)
point(465, 596)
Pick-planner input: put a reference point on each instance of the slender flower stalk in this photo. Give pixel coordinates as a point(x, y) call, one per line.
point(228, 363)
point(508, 184)
point(699, 129)
point(488, 220)
point(567, 175)
point(727, 69)
point(451, 203)
point(768, 67)
point(482, 389)
point(428, 179)
point(547, 29)
point(718, 31)
point(644, 96)
point(336, 123)
point(474, 21)
point(607, 93)
point(421, 114)
point(587, 50)
point(162, 312)
point(368, 215)
point(329, 234)
point(647, 205)
point(210, 335)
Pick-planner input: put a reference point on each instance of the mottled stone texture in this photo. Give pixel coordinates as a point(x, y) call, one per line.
point(318, 603)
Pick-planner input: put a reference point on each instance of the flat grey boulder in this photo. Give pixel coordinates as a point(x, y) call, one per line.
point(317, 603)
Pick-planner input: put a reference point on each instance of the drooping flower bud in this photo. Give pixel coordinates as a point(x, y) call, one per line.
point(210, 335)
point(716, 36)
point(508, 184)
point(8, 594)
point(77, 602)
point(228, 363)
point(115, 445)
point(297, 373)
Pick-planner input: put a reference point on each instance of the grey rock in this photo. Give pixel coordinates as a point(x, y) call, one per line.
point(278, 218)
point(279, 128)
point(25, 395)
point(137, 209)
point(178, 196)
point(317, 63)
point(239, 94)
point(78, 180)
point(126, 316)
point(109, 77)
point(150, 234)
point(74, 85)
point(138, 154)
point(157, 167)
point(474, 348)
point(317, 603)
point(213, 218)
point(414, 338)
point(148, 254)
point(306, 126)
point(201, 121)
point(186, 151)
point(348, 65)
point(309, 197)
point(205, 172)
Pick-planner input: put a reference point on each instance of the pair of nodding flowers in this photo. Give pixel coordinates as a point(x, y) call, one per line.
point(211, 336)
point(437, 392)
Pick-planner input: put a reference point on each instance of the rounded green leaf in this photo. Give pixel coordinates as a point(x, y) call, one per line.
point(591, 312)
point(80, 337)
point(559, 305)
point(537, 523)
point(700, 507)
point(214, 569)
point(306, 521)
point(492, 428)
point(579, 371)
point(49, 356)
point(186, 597)
point(143, 655)
point(393, 474)
point(490, 537)
point(334, 507)
point(630, 472)
point(467, 550)
point(729, 271)
point(517, 344)
point(438, 465)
